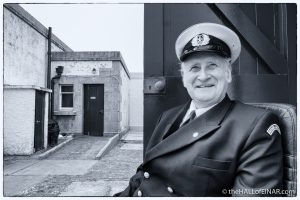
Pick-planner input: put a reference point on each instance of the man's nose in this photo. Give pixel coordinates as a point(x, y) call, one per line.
point(203, 75)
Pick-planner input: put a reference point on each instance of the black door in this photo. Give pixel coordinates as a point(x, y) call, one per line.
point(265, 71)
point(39, 120)
point(93, 109)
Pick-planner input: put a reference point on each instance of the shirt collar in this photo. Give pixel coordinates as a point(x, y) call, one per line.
point(198, 111)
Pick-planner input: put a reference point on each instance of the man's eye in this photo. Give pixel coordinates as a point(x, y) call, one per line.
point(195, 69)
point(212, 66)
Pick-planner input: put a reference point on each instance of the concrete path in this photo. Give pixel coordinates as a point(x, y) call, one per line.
point(133, 137)
point(73, 170)
point(81, 148)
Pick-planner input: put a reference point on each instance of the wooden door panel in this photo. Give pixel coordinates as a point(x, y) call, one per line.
point(39, 120)
point(247, 62)
point(249, 32)
point(153, 42)
point(259, 88)
point(291, 12)
point(93, 110)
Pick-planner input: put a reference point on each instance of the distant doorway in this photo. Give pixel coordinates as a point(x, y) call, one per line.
point(93, 109)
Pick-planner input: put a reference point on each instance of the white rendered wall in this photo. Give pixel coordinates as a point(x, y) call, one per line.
point(136, 99)
point(19, 113)
point(124, 103)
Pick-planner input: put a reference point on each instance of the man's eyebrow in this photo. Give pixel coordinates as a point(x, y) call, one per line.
point(209, 62)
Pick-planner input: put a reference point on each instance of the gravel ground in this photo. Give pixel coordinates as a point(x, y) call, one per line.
point(81, 148)
point(8, 159)
point(117, 165)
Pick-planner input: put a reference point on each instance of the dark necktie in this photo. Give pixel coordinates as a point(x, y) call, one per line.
point(192, 116)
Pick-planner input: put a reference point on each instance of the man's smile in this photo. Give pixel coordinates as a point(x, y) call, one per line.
point(205, 86)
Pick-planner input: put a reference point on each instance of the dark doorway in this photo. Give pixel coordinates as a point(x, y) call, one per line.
point(93, 109)
point(39, 120)
point(264, 72)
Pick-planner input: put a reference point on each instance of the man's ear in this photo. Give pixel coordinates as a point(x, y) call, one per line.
point(181, 69)
point(228, 73)
point(182, 74)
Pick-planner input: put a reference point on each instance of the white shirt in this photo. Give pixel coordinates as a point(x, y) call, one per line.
point(199, 111)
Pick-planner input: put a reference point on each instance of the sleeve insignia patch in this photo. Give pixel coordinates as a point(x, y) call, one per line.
point(272, 128)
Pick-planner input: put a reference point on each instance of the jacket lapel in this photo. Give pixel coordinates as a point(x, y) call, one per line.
point(174, 123)
point(191, 132)
point(169, 126)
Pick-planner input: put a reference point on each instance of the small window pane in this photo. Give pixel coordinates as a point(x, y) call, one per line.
point(67, 88)
point(67, 100)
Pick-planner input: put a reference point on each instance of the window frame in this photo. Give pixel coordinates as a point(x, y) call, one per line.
point(61, 94)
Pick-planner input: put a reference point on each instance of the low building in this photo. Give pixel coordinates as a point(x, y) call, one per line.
point(91, 96)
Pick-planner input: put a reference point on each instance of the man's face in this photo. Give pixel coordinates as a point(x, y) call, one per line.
point(206, 77)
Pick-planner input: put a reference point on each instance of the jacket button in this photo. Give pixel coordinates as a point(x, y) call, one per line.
point(195, 134)
point(170, 189)
point(146, 175)
point(139, 193)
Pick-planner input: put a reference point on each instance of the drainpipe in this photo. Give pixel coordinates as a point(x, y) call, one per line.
point(53, 127)
point(49, 73)
point(59, 71)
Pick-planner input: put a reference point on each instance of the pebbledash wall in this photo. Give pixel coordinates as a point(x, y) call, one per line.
point(25, 72)
point(107, 68)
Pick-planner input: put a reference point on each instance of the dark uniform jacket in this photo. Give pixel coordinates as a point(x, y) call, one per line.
point(228, 151)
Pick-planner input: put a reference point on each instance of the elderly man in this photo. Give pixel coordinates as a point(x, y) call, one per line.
point(211, 146)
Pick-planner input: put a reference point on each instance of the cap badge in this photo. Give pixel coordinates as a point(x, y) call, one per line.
point(200, 40)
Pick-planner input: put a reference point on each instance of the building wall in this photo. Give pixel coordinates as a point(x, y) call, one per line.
point(25, 46)
point(136, 99)
point(124, 101)
point(79, 73)
point(83, 68)
point(25, 53)
point(19, 113)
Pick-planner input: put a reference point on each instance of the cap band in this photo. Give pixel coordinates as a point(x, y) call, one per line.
point(205, 43)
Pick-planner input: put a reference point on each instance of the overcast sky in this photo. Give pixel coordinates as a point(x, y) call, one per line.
point(97, 27)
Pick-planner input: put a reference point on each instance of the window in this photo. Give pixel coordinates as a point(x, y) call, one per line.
point(66, 96)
